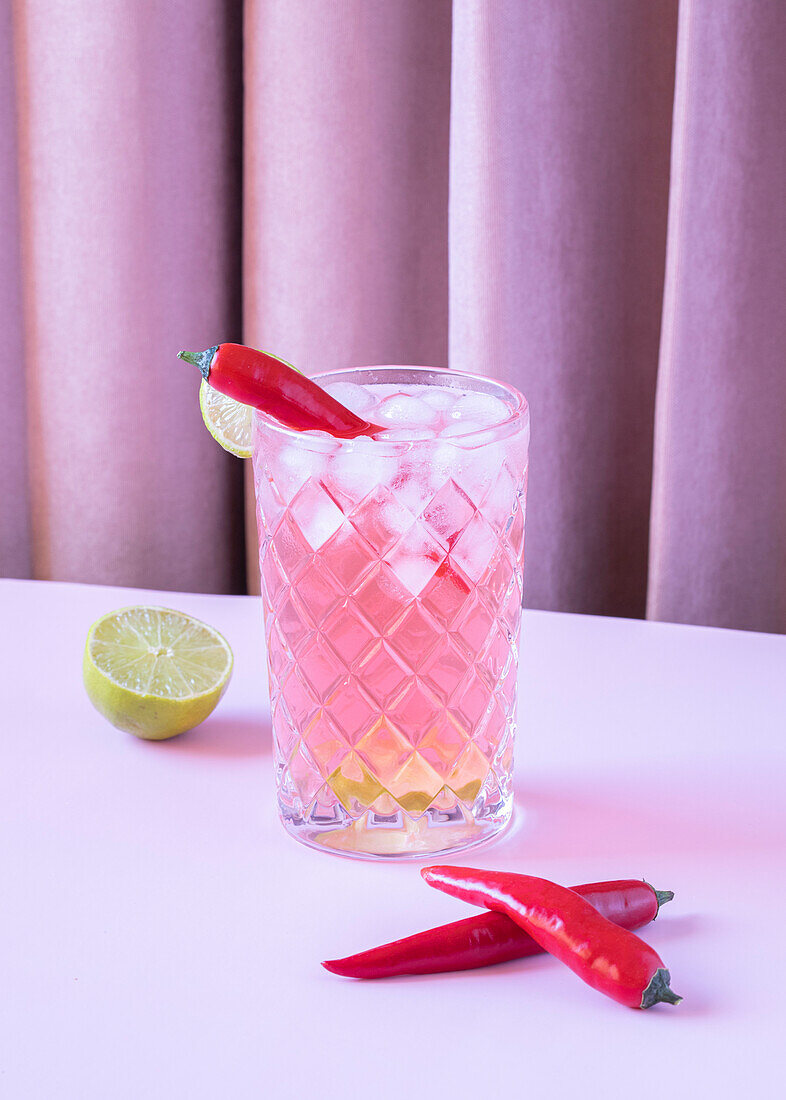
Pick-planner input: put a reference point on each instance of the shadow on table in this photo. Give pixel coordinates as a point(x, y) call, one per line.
point(225, 737)
point(591, 821)
point(604, 824)
point(697, 1004)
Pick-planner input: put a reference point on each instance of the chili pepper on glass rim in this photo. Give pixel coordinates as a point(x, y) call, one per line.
point(608, 958)
point(274, 386)
point(490, 938)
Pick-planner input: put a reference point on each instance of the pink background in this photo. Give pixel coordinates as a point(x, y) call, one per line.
point(585, 199)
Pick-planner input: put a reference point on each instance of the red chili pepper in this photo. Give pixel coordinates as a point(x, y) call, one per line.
point(610, 959)
point(275, 387)
point(490, 938)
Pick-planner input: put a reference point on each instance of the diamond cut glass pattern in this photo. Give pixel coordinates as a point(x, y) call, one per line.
point(392, 601)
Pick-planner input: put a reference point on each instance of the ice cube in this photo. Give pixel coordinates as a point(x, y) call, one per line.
point(445, 459)
point(501, 499)
point(413, 491)
point(358, 467)
point(381, 519)
point(353, 397)
point(441, 397)
point(318, 518)
point(482, 408)
point(475, 547)
point(397, 519)
point(449, 513)
point(292, 467)
point(473, 470)
point(405, 412)
point(481, 470)
point(415, 558)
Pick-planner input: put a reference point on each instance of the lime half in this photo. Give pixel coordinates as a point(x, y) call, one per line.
point(229, 422)
point(155, 672)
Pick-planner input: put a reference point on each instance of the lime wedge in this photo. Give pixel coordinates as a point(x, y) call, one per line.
point(155, 672)
point(229, 422)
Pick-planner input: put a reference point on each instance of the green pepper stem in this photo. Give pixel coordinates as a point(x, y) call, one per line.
point(658, 990)
point(662, 896)
point(201, 359)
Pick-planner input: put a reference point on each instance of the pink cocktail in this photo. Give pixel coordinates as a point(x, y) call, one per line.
point(392, 584)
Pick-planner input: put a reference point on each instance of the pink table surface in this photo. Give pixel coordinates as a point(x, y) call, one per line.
point(161, 935)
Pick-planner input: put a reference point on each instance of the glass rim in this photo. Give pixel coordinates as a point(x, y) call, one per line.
point(516, 422)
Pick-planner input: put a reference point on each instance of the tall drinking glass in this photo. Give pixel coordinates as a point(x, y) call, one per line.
point(392, 591)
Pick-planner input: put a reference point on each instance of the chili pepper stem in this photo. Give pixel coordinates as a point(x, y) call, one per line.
point(658, 990)
point(662, 896)
point(201, 359)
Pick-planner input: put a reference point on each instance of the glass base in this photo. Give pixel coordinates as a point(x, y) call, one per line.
point(398, 837)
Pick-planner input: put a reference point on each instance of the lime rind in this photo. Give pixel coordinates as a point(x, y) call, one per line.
point(228, 421)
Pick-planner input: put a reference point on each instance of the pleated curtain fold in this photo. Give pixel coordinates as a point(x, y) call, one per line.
point(584, 197)
point(128, 131)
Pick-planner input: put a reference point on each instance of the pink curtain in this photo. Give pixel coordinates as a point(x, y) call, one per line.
point(559, 195)
point(15, 556)
point(584, 198)
point(128, 135)
point(718, 543)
